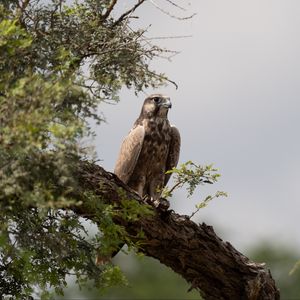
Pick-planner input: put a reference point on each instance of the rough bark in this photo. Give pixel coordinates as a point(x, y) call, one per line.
point(210, 265)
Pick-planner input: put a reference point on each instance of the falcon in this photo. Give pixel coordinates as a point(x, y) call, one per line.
point(150, 149)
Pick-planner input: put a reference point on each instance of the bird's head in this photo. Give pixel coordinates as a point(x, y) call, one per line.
point(156, 105)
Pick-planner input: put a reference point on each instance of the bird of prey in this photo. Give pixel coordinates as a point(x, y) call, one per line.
point(150, 149)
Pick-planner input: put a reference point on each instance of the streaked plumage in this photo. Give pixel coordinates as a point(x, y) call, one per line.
point(151, 148)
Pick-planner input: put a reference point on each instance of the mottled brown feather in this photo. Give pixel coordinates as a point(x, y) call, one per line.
point(151, 148)
point(174, 150)
point(129, 153)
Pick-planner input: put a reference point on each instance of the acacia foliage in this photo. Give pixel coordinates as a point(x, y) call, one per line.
point(58, 61)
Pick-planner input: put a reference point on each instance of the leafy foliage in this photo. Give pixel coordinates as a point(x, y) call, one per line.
point(57, 63)
point(148, 279)
point(193, 175)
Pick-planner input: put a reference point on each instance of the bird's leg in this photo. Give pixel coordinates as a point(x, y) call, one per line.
point(164, 204)
point(160, 203)
point(155, 194)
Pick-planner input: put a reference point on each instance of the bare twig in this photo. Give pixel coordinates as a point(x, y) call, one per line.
point(176, 5)
point(162, 77)
point(169, 37)
point(128, 12)
point(170, 15)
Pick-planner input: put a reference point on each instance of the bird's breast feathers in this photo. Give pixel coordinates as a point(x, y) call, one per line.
point(150, 149)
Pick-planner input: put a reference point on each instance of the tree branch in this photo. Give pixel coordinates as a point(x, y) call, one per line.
point(210, 265)
point(169, 14)
point(128, 12)
point(109, 9)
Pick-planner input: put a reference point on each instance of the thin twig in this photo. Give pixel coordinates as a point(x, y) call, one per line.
point(170, 37)
point(175, 186)
point(128, 12)
point(176, 5)
point(170, 15)
point(196, 211)
point(160, 77)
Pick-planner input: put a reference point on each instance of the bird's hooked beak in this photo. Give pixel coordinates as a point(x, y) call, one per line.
point(166, 103)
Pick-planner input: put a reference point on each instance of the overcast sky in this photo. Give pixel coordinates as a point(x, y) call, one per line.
point(237, 106)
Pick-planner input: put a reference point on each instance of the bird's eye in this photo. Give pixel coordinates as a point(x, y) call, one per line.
point(156, 99)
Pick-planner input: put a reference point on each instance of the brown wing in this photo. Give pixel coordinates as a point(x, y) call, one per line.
point(174, 151)
point(129, 153)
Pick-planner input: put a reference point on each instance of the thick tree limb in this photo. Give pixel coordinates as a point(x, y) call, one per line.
point(210, 265)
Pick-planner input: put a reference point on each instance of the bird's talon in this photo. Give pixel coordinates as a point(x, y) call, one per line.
point(164, 204)
point(152, 133)
point(161, 203)
point(155, 202)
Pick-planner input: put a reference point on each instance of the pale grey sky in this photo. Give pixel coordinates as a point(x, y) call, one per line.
point(237, 106)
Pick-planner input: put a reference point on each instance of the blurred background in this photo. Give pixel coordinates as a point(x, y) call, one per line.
point(237, 106)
